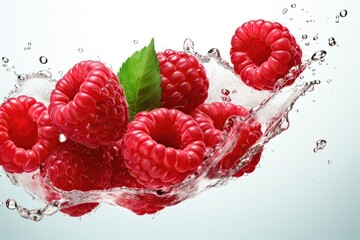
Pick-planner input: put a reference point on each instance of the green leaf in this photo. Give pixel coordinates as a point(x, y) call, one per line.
point(140, 78)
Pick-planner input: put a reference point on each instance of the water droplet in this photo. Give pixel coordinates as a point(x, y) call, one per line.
point(307, 43)
point(293, 5)
point(320, 145)
point(8, 69)
point(234, 92)
point(80, 50)
point(315, 37)
point(332, 41)
point(225, 92)
point(214, 52)
point(188, 45)
point(43, 60)
point(135, 41)
point(284, 11)
point(328, 81)
point(343, 13)
point(329, 162)
point(61, 73)
point(337, 17)
point(11, 204)
point(337, 21)
point(29, 43)
point(301, 76)
point(5, 59)
point(12, 67)
point(44, 74)
point(304, 36)
point(318, 55)
point(62, 138)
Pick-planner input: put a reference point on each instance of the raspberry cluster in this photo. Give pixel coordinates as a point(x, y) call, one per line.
point(156, 150)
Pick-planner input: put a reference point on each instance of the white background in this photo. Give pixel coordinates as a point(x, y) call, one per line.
point(296, 194)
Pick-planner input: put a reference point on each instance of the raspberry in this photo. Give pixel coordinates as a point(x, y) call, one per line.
point(212, 117)
point(88, 105)
point(140, 204)
point(184, 81)
point(162, 147)
point(27, 134)
point(263, 52)
point(72, 166)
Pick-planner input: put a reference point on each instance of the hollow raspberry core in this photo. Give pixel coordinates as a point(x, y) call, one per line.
point(258, 51)
point(23, 130)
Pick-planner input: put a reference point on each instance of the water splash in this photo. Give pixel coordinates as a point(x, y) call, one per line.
point(43, 59)
point(270, 109)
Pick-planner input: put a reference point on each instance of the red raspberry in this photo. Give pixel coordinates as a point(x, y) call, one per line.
point(27, 134)
point(141, 203)
point(72, 166)
point(212, 117)
point(163, 147)
point(89, 106)
point(263, 52)
point(184, 82)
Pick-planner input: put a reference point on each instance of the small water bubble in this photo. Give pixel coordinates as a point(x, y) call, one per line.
point(304, 36)
point(328, 81)
point(5, 59)
point(22, 77)
point(343, 13)
point(135, 41)
point(12, 67)
point(301, 76)
point(337, 17)
point(293, 5)
point(4, 65)
point(307, 43)
point(11, 204)
point(29, 43)
point(61, 73)
point(320, 145)
point(8, 69)
point(315, 37)
point(318, 55)
point(225, 92)
point(284, 11)
point(329, 162)
point(80, 50)
point(188, 45)
point(337, 21)
point(234, 92)
point(62, 138)
point(332, 41)
point(43, 59)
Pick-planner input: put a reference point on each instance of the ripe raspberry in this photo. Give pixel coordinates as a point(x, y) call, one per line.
point(89, 106)
point(263, 52)
point(184, 82)
point(212, 117)
point(140, 204)
point(27, 134)
point(163, 147)
point(72, 166)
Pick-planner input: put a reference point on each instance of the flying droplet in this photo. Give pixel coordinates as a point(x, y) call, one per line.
point(284, 11)
point(320, 145)
point(304, 36)
point(332, 41)
point(315, 37)
point(293, 5)
point(343, 13)
point(135, 41)
point(43, 60)
point(80, 50)
point(8, 69)
point(29, 43)
point(234, 92)
point(61, 73)
point(307, 43)
point(319, 55)
point(329, 162)
point(5, 59)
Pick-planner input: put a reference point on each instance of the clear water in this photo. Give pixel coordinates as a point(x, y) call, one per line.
point(271, 109)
